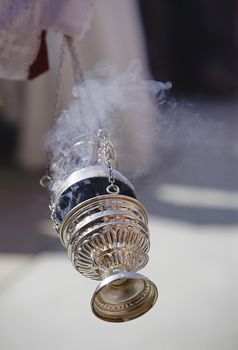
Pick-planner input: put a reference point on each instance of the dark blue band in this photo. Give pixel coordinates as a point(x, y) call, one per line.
point(85, 189)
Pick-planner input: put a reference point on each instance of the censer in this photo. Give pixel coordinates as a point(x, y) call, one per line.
point(104, 229)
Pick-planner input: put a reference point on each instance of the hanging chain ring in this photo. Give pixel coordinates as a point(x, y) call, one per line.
point(45, 181)
point(113, 189)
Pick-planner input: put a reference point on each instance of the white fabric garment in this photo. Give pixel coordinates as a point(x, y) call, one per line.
point(19, 37)
point(116, 35)
point(72, 17)
point(21, 23)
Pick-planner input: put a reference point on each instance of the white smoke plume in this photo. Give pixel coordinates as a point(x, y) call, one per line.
point(104, 100)
point(120, 103)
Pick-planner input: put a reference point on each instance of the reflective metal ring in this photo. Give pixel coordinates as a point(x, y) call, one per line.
point(45, 181)
point(113, 189)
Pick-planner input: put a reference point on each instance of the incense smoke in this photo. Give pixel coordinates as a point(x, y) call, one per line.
point(137, 116)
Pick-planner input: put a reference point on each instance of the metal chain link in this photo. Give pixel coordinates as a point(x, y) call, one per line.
point(76, 63)
point(103, 135)
point(77, 70)
point(78, 77)
point(46, 179)
point(59, 79)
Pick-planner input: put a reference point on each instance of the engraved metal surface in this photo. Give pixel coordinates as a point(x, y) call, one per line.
point(106, 234)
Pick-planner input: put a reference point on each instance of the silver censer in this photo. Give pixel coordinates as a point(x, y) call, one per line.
point(104, 229)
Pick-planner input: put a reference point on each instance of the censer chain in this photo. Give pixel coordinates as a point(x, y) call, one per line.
point(112, 187)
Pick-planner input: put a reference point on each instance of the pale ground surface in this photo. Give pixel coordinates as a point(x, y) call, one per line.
point(44, 302)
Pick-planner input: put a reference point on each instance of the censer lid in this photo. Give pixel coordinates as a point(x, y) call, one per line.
point(123, 297)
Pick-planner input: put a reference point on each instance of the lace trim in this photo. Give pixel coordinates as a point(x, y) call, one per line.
point(19, 37)
point(21, 23)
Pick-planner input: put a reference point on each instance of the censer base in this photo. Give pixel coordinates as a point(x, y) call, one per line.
point(123, 297)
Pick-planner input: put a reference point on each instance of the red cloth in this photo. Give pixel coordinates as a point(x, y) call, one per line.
point(41, 63)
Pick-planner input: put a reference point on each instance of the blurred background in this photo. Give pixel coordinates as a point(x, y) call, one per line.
point(191, 196)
